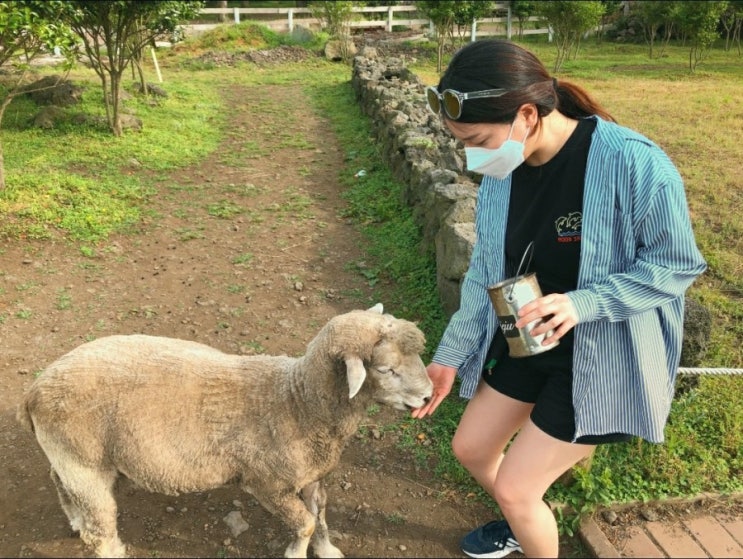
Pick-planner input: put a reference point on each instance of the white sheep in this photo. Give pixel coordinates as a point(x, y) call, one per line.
point(177, 416)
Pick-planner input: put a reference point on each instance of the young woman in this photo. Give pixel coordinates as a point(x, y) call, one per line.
point(614, 252)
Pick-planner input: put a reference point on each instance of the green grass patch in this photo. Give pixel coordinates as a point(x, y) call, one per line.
point(79, 179)
point(85, 208)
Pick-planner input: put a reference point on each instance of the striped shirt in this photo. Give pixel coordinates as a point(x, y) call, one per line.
point(638, 257)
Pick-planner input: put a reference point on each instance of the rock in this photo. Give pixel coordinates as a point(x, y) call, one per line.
point(52, 90)
point(236, 523)
point(153, 89)
point(648, 514)
point(340, 49)
point(130, 122)
point(47, 117)
point(301, 34)
point(697, 327)
point(610, 517)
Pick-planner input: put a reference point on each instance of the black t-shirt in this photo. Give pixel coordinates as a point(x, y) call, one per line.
point(546, 207)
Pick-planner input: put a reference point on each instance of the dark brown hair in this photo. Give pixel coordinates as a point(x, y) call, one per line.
point(498, 64)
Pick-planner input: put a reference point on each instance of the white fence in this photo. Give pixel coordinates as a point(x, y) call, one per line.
point(286, 19)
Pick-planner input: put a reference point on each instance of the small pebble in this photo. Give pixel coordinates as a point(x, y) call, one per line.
point(649, 514)
point(610, 517)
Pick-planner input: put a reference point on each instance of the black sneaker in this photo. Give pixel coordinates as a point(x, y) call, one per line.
point(490, 541)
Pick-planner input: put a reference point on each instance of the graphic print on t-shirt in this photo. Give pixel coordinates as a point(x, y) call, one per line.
point(569, 227)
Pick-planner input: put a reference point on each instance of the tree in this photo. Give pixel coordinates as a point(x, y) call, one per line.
point(465, 13)
point(114, 32)
point(698, 22)
point(445, 14)
point(336, 17)
point(28, 28)
point(655, 15)
point(441, 14)
point(732, 21)
point(612, 11)
point(523, 10)
point(569, 20)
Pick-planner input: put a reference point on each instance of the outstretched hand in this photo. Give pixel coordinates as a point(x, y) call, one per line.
point(556, 312)
point(443, 379)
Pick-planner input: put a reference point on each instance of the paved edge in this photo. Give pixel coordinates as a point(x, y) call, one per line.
point(599, 545)
point(594, 539)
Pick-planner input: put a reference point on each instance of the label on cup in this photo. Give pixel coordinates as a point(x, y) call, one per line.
point(508, 325)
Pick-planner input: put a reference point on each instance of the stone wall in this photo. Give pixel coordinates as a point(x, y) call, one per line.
point(425, 158)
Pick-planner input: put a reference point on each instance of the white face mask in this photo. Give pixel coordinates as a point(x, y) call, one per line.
point(498, 163)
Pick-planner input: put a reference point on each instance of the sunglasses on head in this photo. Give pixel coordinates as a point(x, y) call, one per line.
point(450, 101)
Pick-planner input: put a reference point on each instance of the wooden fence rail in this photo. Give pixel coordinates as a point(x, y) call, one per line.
point(286, 19)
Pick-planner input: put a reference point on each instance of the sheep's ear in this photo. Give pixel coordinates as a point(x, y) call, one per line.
point(356, 374)
point(377, 308)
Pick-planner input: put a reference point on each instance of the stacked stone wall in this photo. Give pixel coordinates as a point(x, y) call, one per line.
point(424, 157)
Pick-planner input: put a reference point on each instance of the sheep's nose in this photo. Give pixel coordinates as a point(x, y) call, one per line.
point(427, 399)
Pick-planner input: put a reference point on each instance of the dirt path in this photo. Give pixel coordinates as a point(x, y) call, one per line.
point(246, 252)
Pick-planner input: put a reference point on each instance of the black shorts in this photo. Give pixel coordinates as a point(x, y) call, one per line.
point(545, 380)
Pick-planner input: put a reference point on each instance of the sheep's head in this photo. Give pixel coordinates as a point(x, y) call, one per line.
point(383, 352)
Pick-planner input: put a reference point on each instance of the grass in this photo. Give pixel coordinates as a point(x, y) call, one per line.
point(80, 182)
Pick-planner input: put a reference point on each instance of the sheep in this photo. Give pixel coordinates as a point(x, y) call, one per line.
point(176, 416)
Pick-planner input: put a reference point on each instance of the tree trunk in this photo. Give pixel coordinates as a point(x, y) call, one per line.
point(2, 168)
point(4, 106)
point(223, 18)
point(115, 94)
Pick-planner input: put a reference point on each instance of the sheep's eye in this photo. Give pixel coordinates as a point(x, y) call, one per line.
point(385, 370)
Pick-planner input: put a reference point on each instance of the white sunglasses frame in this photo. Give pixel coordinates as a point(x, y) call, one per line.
point(461, 98)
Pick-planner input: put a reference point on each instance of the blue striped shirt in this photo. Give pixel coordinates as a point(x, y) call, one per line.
point(638, 257)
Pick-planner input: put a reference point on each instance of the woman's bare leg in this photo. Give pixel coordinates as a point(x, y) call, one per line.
point(489, 421)
point(533, 462)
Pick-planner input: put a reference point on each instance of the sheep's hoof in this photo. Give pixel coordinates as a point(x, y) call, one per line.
point(327, 550)
point(113, 548)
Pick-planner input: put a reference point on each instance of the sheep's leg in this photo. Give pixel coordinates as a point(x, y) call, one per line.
point(289, 508)
point(73, 513)
point(315, 499)
point(87, 494)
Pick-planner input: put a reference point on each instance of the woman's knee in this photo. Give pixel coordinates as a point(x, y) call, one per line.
point(462, 448)
point(509, 493)
point(470, 450)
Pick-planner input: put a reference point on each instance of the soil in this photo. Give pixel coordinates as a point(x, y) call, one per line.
point(249, 255)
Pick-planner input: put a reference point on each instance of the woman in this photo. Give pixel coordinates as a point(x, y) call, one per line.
point(605, 212)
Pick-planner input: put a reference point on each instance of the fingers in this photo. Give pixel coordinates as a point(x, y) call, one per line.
point(439, 393)
point(429, 407)
point(443, 380)
point(554, 313)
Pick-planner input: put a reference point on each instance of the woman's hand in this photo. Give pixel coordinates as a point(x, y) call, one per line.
point(556, 312)
point(443, 379)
